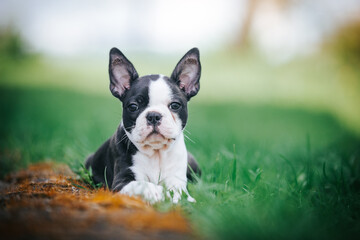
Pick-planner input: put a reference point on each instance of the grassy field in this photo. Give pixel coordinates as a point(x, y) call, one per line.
point(319, 83)
point(268, 172)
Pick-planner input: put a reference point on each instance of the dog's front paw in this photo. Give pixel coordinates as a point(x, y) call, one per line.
point(147, 190)
point(153, 193)
point(175, 196)
point(191, 199)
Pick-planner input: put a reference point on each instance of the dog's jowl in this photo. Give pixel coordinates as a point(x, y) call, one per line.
point(147, 155)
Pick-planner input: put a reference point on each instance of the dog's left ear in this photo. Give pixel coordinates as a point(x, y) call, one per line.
point(187, 73)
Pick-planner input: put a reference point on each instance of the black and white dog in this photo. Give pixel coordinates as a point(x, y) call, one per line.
point(147, 151)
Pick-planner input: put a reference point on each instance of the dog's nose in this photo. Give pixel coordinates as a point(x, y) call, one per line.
point(153, 118)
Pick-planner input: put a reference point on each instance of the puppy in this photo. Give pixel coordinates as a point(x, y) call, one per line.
point(147, 153)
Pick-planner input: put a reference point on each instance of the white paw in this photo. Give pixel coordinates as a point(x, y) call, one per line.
point(147, 190)
point(175, 196)
point(153, 193)
point(191, 199)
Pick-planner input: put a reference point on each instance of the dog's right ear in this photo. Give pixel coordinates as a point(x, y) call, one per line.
point(121, 72)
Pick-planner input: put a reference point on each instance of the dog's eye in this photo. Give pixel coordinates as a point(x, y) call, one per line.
point(133, 107)
point(174, 106)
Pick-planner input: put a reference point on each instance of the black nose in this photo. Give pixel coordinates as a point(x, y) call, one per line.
point(153, 118)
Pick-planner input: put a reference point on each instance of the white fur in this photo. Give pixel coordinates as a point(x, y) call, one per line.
point(165, 168)
point(161, 160)
point(149, 191)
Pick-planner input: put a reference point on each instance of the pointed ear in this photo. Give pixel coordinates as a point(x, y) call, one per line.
point(187, 73)
point(121, 72)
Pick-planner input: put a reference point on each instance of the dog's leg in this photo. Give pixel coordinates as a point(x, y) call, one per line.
point(175, 195)
point(149, 191)
point(175, 187)
point(192, 168)
point(97, 164)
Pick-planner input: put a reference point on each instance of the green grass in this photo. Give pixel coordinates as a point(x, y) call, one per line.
point(317, 82)
point(268, 172)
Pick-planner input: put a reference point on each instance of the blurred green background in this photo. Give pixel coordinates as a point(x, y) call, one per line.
point(275, 126)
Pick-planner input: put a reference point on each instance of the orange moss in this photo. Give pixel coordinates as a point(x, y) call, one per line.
point(43, 200)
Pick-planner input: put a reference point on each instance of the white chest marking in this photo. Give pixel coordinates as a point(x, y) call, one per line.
point(161, 167)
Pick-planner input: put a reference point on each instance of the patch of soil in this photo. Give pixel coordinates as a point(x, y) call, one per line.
point(46, 201)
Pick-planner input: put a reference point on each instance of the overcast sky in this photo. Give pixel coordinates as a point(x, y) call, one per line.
point(69, 28)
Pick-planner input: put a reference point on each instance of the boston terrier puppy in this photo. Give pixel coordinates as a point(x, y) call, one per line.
point(147, 155)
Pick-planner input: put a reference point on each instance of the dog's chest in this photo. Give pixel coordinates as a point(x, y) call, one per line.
point(161, 166)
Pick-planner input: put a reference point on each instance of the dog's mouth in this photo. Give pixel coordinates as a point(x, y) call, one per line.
point(156, 140)
point(155, 131)
point(155, 137)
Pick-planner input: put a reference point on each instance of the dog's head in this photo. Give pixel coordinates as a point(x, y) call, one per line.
point(154, 106)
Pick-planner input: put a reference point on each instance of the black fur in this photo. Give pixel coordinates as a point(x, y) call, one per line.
point(139, 94)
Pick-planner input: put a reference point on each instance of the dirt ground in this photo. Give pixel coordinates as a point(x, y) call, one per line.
point(45, 202)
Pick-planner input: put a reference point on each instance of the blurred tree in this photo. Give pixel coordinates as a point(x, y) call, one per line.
point(243, 39)
point(346, 43)
point(12, 46)
point(13, 52)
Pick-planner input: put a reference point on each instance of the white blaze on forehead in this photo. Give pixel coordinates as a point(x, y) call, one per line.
point(159, 92)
